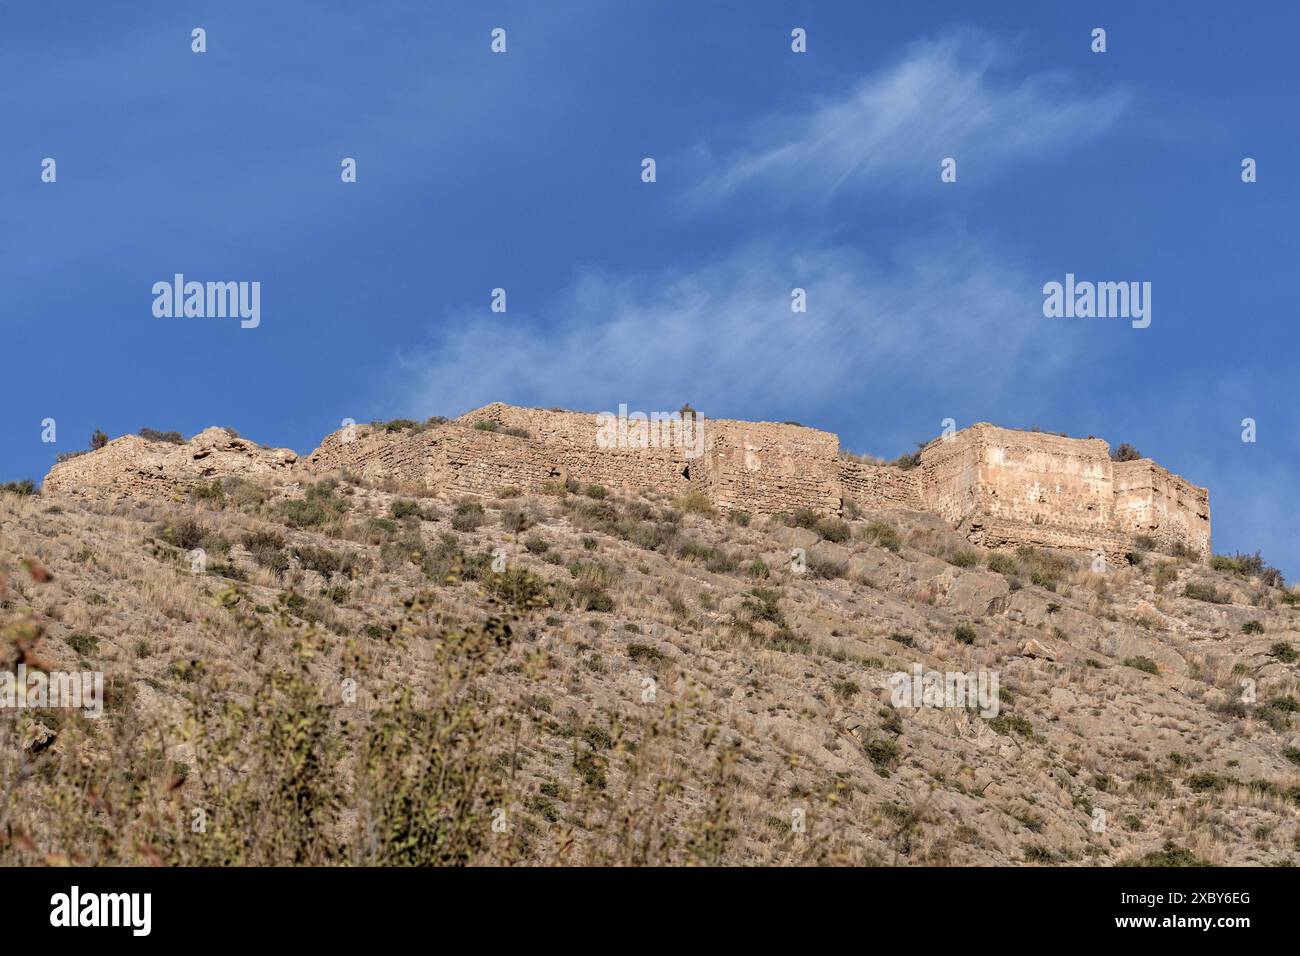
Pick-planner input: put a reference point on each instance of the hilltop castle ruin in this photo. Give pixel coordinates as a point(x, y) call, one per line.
point(997, 486)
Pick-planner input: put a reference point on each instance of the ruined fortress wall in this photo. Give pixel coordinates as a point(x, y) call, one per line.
point(452, 457)
point(1006, 488)
point(761, 467)
point(1151, 501)
point(654, 457)
point(999, 487)
point(879, 486)
point(948, 478)
point(764, 467)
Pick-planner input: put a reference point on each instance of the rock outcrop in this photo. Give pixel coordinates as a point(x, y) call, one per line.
point(131, 465)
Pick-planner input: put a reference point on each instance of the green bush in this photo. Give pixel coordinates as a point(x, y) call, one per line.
point(468, 515)
point(1284, 652)
point(325, 562)
point(300, 513)
point(1253, 627)
point(965, 634)
point(404, 508)
point(82, 643)
point(1001, 563)
point(1008, 724)
point(882, 534)
point(1204, 592)
point(1144, 664)
point(647, 654)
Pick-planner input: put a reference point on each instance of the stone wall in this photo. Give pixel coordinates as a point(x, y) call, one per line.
point(998, 486)
point(880, 486)
point(765, 468)
point(1151, 501)
point(1005, 488)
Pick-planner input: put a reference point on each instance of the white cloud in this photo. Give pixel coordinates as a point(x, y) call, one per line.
point(722, 336)
point(894, 127)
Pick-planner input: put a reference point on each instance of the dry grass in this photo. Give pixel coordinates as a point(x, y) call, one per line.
point(518, 693)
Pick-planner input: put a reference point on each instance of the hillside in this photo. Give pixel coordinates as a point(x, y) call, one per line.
point(372, 669)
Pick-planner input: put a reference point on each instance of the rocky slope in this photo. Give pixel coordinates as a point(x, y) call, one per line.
point(331, 669)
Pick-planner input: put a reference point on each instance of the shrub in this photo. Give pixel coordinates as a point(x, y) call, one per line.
point(595, 491)
point(965, 558)
point(517, 587)
point(185, 533)
point(965, 634)
point(881, 534)
point(820, 567)
point(695, 502)
point(1170, 855)
point(536, 544)
point(404, 508)
point(883, 754)
point(1207, 782)
point(267, 549)
point(22, 489)
point(1125, 452)
point(1253, 627)
point(1204, 592)
point(646, 654)
point(1144, 664)
point(1008, 724)
point(909, 461)
point(1249, 566)
point(98, 440)
point(82, 643)
point(516, 520)
point(741, 518)
point(323, 561)
point(846, 690)
point(1284, 652)
point(833, 529)
point(227, 571)
point(171, 438)
point(1001, 563)
point(486, 425)
point(468, 515)
point(301, 513)
point(591, 597)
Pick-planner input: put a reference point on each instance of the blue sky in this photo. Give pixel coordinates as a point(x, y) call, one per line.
point(774, 170)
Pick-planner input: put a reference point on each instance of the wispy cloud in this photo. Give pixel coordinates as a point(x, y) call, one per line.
point(723, 336)
point(942, 99)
